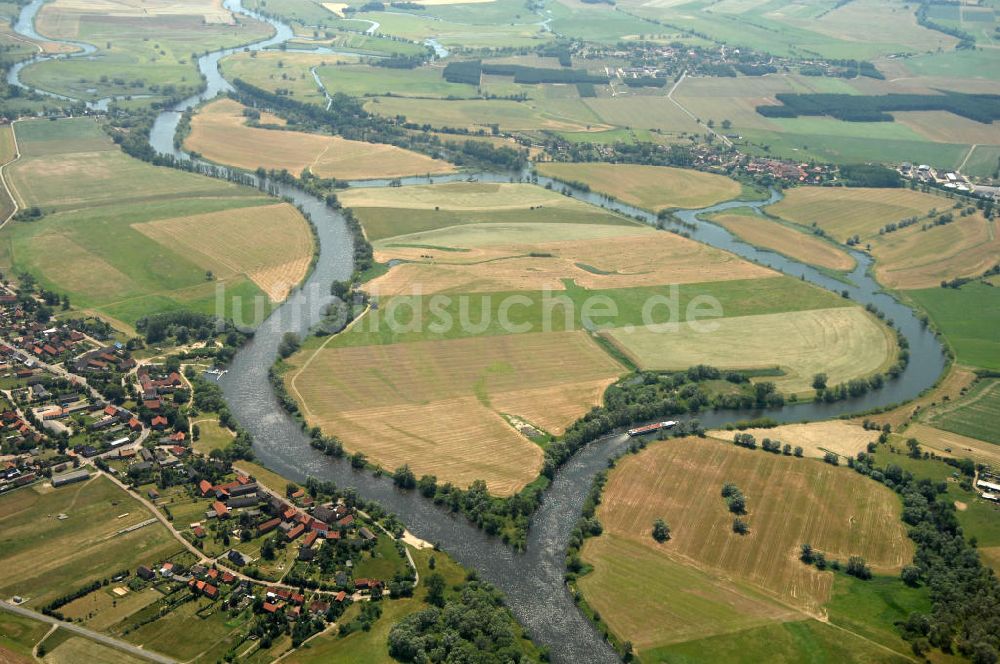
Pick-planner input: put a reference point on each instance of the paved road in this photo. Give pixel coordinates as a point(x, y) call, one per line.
point(90, 634)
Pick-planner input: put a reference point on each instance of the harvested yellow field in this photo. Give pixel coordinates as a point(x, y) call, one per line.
point(815, 438)
point(481, 113)
point(763, 232)
point(790, 502)
point(652, 600)
point(949, 389)
point(843, 212)
point(464, 196)
point(991, 556)
point(945, 127)
point(211, 11)
point(915, 258)
point(219, 132)
point(844, 343)
point(438, 405)
point(649, 187)
point(947, 443)
point(336, 8)
point(270, 244)
point(505, 257)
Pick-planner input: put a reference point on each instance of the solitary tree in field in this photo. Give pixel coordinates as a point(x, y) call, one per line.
point(661, 531)
point(910, 575)
point(856, 567)
point(819, 381)
point(404, 478)
point(740, 526)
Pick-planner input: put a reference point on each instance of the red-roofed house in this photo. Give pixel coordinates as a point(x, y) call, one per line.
point(221, 510)
point(295, 532)
point(159, 422)
point(268, 526)
point(205, 487)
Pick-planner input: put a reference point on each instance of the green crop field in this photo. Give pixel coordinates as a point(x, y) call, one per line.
point(977, 517)
point(864, 29)
point(391, 212)
point(169, 634)
point(969, 318)
point(480, 113)
point(563, 309)
point(365, 80)
point(285, 70)
point(95, 244)
point(785, 643)
point(56, 556)
point(79, 649)
point(975, 415)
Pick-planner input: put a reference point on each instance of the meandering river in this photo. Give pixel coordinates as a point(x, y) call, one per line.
point(533, 580)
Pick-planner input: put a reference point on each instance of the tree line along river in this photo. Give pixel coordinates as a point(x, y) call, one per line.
point(533, 580)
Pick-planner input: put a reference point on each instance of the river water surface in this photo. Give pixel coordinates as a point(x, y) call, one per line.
point(533, 580)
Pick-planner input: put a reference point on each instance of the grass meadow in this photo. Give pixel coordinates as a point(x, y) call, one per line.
point(55, 556)
point(366, 80)
point(142, 49)
point(968, 317)
point(19, 635)
point(975, 415)
point(482, 113)
point(126, 239)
